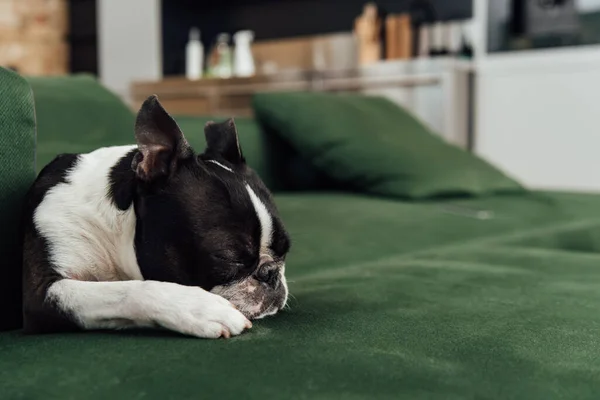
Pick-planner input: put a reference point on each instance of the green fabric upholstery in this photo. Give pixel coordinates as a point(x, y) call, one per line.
point(369, 144)
point(392, 300)
point(17, 171)
point(75, 114)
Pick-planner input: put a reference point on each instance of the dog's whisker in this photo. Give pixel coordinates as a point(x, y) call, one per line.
point(287, 303)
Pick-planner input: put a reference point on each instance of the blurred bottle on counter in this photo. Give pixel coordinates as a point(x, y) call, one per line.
point(438, 45)
point(220, 61)
point(424, 41)
point(399, 37)
point(446, 38)
point(442, 38)
point(243, 62)
point(453, 38)
point(367, 30)
point(194, 55)
point(467, 39)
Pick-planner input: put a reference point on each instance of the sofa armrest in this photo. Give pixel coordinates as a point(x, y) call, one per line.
point(17, 172)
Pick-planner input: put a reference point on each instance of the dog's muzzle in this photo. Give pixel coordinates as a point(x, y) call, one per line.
point(261, 294)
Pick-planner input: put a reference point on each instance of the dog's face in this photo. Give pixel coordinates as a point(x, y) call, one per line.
point(206, 220)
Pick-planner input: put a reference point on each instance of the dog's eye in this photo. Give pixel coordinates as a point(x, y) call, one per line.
point(228, 258)
point(234, 261)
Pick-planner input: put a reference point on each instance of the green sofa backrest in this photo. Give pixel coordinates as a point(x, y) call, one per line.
point(17, 172)
point(76, 114)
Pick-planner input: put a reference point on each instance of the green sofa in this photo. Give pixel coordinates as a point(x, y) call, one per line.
point(486, 297)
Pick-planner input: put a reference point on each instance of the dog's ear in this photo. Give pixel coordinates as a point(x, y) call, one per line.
point(222, 140)
point(160, 142)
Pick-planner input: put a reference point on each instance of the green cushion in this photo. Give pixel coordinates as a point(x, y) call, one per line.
point(371, 145)
point(75, 114)
point(17, 172)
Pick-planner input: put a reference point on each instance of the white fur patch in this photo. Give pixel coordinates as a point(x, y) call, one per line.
point(270, 311)
point(89, 238)
point(116, 305)
point(266, 222)
point(220, 165)
point(284, 283)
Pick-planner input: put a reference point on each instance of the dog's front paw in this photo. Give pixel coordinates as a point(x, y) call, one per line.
point(196, 312)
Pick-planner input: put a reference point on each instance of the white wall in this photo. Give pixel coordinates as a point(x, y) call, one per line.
point(538, 116)
point(129, 36)
point(588, 5)
point(441, 106)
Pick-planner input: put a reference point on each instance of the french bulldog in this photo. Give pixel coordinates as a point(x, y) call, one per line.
point(153, 235)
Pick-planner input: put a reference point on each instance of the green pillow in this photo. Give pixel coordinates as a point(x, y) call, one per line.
point(76, 114)
point(371, 145)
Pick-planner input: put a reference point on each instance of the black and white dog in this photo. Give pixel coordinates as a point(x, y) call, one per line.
point(153, 235)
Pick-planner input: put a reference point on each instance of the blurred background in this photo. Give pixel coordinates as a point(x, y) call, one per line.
point(514, 81)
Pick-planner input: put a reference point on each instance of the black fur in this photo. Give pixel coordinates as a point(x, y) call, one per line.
point(160, 141)
point(40, 315)
point(222, 141)
point(203, 217)
point(122, 182)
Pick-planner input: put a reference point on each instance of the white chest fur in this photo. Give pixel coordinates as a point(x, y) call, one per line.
point(88, 237)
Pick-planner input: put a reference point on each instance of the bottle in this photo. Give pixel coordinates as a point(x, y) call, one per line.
point(437, 40)
point(467, 29)
point(452, 37)
point(220, 57)
point(194, 55)
point(243, 64)
point(424, 48)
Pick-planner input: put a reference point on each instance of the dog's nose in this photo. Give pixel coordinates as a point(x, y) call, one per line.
point(267, 273)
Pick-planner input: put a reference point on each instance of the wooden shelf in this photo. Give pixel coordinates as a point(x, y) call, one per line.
point(216, 96)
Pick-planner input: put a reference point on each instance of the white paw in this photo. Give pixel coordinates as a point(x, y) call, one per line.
point(194, 311)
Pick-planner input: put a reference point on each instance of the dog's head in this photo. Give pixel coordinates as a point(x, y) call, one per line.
point(206, 219)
